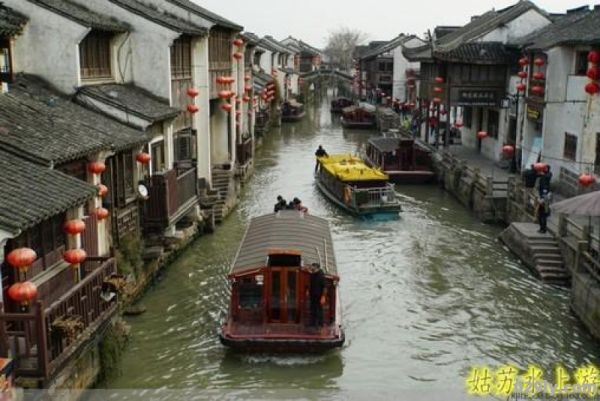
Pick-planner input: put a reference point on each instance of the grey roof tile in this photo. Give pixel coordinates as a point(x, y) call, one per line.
point(11, 22)
point(576, 28)
point(207, 14)
point(83, 15)
point(477, 52)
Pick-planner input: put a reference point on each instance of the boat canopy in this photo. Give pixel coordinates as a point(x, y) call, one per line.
point(286, 232)
point(348, 168)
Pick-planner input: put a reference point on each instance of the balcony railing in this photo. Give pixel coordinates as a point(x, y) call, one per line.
point(42, 339)
point(170, 196)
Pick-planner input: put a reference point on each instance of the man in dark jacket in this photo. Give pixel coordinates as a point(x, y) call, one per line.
point(320, 153)
point(316, 292)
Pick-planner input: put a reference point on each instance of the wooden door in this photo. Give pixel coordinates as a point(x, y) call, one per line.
point(283, 296)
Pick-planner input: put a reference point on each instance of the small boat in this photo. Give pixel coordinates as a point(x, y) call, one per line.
point(361, 116)
point(403, 159)
point(355, 187)
point(272, 287)
point(292, 111)
point(340, 103)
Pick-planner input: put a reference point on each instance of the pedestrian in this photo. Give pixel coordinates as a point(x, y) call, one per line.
point(545, 180)
point(316, 293)
point(299, 207)
point(321, 152)
point(281, 203)
point(543, 211)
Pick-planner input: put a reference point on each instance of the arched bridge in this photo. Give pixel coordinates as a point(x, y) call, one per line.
point(326, 73)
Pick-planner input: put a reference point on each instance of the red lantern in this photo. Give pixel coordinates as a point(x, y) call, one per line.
point(540, 167)
point(102, 190)
point(540, 76)
point(102, 213)
point(593, 73)
point(226, 107)
point(96, 167)
point(221, 80)
point(412, 105)
point(459, 124)
point(586, 180)
point(225, 94)
point(193, 92)
point(539, 61)
point(238, 100)
point(508, 150)
point(436, 100)
point(247, 88)
point(437, 89)
point(521, 87)
point(238, 42)
point(522, 74)
point(246, 99)
point(523, 61)
point(439, 80)
point(237, 55)
point(74, 227)
point(23, 293)
point(75, 256)
point(21, 258)
point(482, 134)
point(594, 56)
point(592, 88)
point(192, 108)
point(537, 90)
point(143, 157)
point(247, 78)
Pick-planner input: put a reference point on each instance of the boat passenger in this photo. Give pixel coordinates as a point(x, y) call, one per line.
point(281, 204)
point(299, 207)
point(317, 294)
point(320, 153)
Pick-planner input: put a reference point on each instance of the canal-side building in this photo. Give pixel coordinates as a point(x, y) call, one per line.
point(376, 70)
point(464, 77)
point(309, 59)
point(559, 124)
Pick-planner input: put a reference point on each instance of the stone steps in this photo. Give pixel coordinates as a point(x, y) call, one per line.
point(549, 262)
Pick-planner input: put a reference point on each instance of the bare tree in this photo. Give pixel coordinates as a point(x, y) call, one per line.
point(341, 44)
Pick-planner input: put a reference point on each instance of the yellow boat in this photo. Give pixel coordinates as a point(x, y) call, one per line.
point(355, 187)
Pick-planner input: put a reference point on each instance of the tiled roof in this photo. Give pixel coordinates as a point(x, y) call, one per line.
point(11, 22)
point(132, 99)
point(478, 53)
point(43, 126)
point(167, 20)
point(580, 27)
point(421, 53)
point(32, 193)
point(261, 80)
point(250, 38)
point(82, 15)
point(388, 46)
point(207, 14)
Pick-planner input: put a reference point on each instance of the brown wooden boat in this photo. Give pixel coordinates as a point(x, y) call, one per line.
point(270, 287)
point(339, 104)
point(362, 116)
point(292, 111)
point(403, 159)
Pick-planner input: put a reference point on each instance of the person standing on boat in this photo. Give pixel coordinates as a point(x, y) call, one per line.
point(320, 153)
point(281, 204)
point(316, 292)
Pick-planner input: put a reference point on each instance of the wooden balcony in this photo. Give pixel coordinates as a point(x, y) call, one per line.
point(171, 195)
point(44, 338)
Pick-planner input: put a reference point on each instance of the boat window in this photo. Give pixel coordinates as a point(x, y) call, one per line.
point(285, 260)
point(250, 293)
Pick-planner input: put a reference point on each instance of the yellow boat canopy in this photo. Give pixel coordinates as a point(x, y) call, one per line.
point(348, 168)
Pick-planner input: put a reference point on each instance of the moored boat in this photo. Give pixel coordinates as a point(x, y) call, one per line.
point(340, 103)
point(403, 159)
point(292, 111)
point(276, 291)
point(355, 187)
point(361, 116)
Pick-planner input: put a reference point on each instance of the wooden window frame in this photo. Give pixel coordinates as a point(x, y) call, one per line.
point(581, 63)
point(570, 146)
point(181, 58)
point(95, 56)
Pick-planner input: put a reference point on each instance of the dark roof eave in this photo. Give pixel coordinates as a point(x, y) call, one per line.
point(220, 22)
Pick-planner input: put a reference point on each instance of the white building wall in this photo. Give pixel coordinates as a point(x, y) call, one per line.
point(266, 61)
point(401, 64)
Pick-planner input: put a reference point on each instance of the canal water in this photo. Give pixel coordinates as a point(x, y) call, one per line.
point(424, 297)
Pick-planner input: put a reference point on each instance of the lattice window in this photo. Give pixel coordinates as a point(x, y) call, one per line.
point(95, 55)
point(570, 148)
point(181, 57)
point(219, 49)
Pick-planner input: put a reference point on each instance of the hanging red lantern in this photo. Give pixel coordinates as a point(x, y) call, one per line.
point(537, 90)
point(74, 227)
point(226, 107)
point(540, 167)
point(539, 61)
point(192, 108)
point(436, 100)
point(221, 80)
point(238, 100)
point(23, 293)
point(246, 99)
point(102, 213)
point(521, 87)
point(594, 56)
point(21, 258)
point(437, 89)
point(439, 80)
point(143, 157)
point(102, 190)
point(225, 94)
point(523, 61)
point(193, 92)
point(508, 150)
point(237, 55)
point(247, 77)
point(247, 88)
point(482, 135)
point(522, 74)
point(96, 167)
point(593, 73)
point(540, 76)
point(412, 105)
point(459, 124)
point(592, 88)
point(75, 256)
point(585, 180)
point(238, 42)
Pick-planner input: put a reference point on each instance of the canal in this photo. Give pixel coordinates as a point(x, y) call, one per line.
point(424, 297)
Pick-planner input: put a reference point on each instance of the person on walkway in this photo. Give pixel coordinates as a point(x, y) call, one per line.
point(545, 181)
point(320, 153)
point(281, 204)
point(543, 211)
point(316, 293)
